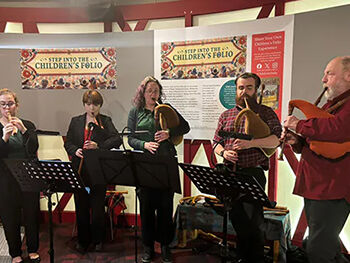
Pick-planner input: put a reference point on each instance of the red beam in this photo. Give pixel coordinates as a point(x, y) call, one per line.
point(188, 19)
point(292, 160)
point(44, 15)
point(197, 7)
point(30, 27)
point(265, 11)
point(190, 151)
point(126, 27)
point(141, 25)
point(187, 159)
point(280, 9)
point(300, 230)
point(135, 12)
point(107, 26)
point(119, 17)
point(2, 26)
point(62, 203)
point(272, 181)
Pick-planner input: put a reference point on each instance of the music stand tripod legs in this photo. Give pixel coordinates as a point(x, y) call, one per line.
point(47, 177)
point(51, 251)
point(224, 251)
point(228, 187)
point(134, 168)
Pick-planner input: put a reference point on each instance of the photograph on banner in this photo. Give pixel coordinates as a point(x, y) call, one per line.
point(203, 59)
point(270, 96)
point(76, 68)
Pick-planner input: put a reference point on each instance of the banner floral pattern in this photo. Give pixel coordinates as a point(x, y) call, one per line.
point(78, 68)
point(200, 59)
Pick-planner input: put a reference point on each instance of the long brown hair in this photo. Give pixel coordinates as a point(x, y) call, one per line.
point(139, 98)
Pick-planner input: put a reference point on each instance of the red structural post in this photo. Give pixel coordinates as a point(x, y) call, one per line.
point(141, 25)
point(30, 27)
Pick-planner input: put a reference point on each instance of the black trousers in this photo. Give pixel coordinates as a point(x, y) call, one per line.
point(326, 219)
point(91, 225)
point(248, 221)
point(16, 206)
point(156, 210)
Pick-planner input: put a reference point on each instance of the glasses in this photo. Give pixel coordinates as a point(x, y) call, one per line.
point(3, 104)
point(154, 91)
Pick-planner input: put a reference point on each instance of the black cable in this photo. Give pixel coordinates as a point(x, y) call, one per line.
point(213, 151)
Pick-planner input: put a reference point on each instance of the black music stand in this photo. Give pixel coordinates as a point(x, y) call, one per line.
point(227, 187)
point(43, 132)
point(47, 177)
point(133, 168)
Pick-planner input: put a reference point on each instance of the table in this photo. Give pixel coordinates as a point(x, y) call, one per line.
point(189, 218)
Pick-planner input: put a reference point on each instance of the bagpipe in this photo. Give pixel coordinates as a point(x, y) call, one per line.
point(254, 125)
point(331, 150)
point(166, 118)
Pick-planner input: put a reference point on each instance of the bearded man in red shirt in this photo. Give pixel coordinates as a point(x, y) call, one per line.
point(323, 182)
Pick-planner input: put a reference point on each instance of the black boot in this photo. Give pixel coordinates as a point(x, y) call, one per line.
point(81, 248)
point(148, 253)
point(166, 254)
point(98, 247)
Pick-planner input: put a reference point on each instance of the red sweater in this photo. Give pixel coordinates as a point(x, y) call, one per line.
point(320, 178)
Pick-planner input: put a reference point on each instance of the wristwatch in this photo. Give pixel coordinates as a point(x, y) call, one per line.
point(222, 153)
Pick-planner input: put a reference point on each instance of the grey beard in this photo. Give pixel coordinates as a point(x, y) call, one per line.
point(329, 94)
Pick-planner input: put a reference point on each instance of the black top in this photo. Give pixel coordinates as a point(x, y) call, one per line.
point(30, 141)
point(143, 119)
point(106, 138)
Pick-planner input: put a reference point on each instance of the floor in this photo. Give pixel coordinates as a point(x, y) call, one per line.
point(4, 257)
point(121, 250)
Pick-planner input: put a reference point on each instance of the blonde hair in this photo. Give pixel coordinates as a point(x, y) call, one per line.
point(7, 91)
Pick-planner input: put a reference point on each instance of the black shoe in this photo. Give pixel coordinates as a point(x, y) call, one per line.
point(35, 260)
point(148, 254)
point(166, 254)
point(80, 248)
point(98, 247)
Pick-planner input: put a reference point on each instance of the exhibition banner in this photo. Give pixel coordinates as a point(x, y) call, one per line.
point(207, 58)
point(198, 67)
point(78, 68)
point(267, 62)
